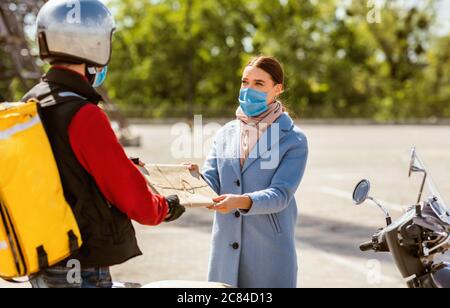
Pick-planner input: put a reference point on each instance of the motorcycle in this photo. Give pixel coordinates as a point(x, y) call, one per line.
point(418, 237)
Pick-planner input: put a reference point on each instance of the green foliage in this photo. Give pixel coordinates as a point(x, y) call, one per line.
point(176, 58)
point(10, 87)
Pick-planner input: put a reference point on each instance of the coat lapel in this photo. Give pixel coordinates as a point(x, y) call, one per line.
point(236, 141)
point(270, 138)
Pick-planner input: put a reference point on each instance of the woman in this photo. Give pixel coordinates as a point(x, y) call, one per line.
point(256, 165)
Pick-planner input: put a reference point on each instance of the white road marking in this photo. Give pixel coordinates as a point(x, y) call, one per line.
point(348, 196)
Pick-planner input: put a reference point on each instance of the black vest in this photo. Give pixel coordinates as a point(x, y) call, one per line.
point(108, 235)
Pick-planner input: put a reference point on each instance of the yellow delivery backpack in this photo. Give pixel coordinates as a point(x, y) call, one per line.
point(37, 225)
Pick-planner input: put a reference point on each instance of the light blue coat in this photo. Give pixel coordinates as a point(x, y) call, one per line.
point(257, 249)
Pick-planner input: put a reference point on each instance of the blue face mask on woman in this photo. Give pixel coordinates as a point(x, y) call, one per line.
point(253, 102)
point(100, 77)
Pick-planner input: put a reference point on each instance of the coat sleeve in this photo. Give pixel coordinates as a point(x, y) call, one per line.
point(284, 183)
point(210, 171)
point(99, 152)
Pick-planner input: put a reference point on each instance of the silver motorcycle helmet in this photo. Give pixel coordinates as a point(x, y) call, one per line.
point(75, 31)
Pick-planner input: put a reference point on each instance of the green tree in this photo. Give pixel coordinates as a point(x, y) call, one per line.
point(176, 58)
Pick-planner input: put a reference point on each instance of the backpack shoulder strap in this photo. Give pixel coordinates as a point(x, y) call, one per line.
point(50, 95)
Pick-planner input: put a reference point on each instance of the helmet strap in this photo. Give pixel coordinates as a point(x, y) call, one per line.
point(91, 73)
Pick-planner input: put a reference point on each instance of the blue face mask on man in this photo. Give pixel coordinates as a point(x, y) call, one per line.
point(253, 102)
point(100, 77)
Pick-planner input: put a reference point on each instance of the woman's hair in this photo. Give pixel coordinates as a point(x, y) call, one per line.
point(274, 68)
point(271, 66)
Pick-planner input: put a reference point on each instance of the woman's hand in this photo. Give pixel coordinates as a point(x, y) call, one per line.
point(227, 203)
point(192, 167)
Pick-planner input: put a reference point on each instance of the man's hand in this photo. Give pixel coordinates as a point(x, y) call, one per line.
point(176, 210)
point(137, 162)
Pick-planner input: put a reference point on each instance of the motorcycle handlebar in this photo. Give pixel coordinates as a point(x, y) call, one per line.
point(367, 246)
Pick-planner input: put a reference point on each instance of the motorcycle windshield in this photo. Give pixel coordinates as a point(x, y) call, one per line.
point(435, 192)
point(440, 207)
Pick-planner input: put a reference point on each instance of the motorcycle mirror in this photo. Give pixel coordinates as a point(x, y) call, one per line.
point(361, 192)
point(416, 165)
point(413, 160)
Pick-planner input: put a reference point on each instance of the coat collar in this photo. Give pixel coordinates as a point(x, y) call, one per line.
point(270, 138)
point(71, 80)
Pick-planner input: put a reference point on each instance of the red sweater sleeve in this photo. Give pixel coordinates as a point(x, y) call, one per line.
point(99, 152)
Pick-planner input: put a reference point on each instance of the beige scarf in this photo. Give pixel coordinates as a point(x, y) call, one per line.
point(252, 128)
